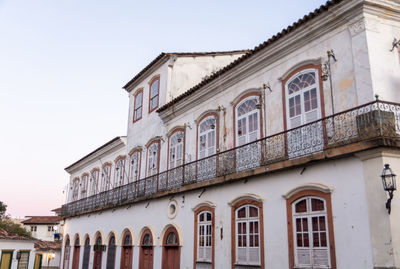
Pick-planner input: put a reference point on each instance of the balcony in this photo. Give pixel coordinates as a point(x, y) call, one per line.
point(374, 124)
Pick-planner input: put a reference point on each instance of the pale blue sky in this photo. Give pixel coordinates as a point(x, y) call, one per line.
point(63, 63)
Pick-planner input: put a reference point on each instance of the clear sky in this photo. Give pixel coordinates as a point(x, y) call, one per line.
point(63, 64)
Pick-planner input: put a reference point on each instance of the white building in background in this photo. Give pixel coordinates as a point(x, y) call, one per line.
point(43, 227)
point(268, 158)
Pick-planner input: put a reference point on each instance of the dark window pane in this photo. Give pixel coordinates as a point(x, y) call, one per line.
point(253, 211)
point(315, 224)
point(299, 240)
point(208, 216)
point(305, 225)
point(317, 205)
point(301, 206)
point(306, 241)
point(316, 239)
point(323, 239)
point(241, 213)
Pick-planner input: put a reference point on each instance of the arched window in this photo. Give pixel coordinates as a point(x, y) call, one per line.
point(111, 253)
point(83, 186)
point(134, 166)
point(153, 158)
point(176, 149)
point(146, 250)
point(67, 250)
point(98, 252)
point(126, 251)
point(75, 189)
point(207, 138)
point(106, 177)
point(248, 120)
point(247, 233)
point(154, 94)
point(94, 177)
point(302, 98)
point(119, 172)
point(204, 233)
point(86, 254)
point(171, 249)
point(75, 257)
point(137, 110)
point(312, 232)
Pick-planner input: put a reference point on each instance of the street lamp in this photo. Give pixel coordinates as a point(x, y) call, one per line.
point(389, 184)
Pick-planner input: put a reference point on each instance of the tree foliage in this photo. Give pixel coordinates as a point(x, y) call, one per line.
point(9, 225)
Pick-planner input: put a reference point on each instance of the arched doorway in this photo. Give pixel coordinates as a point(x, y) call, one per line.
point(77, 249)
point(111, 252)
point(126, 251)
point(171, 250)
point(98, 252)
point(146, 250)
point(86, 254)
point(66, 253)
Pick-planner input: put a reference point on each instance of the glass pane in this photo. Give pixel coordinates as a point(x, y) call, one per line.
point(323, 239)
point(315, 224)
point(317, 205)
point(202, 217)
point(299, 240)
point(253, 211)
point(247, 106)
point(301, 206)
point(302, 81)
point(208, 216)
point(172, 239)
point(146, 240)
point(305, 225)
point(315, 240)
point(298, 225)
point(322, 224)
point(306, 240)
point(241, 213)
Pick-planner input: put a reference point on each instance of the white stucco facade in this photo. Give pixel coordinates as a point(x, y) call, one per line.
point(18, 245)
point(361, 232)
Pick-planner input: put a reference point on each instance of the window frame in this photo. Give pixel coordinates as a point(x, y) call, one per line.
point(170, 136)
point(134, 105)
point(199, 122)
point(260, 114)
point(151, 82)
point(117, 160)
point(96, 190)
point(149, 144)
point(139, 152)
point(290, 226)
point(84, 185)
point(112, 236)
point(240, 203)
point(285, 94)
point(103, 189)
point(75, 193)
point(198, 211)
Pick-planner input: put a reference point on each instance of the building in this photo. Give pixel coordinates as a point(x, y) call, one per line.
point(267, 158)
point(45, 228)
point(16, 251)
point(48, 252)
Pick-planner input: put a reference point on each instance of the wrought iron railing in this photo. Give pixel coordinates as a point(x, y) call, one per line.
point(373, 120)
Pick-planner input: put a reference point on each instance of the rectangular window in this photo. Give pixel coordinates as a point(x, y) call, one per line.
point(138, 106)
point(23, 260)
point(154, 92)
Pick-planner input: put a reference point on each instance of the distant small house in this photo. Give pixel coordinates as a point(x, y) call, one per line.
point(16, 251)
point(43, 227)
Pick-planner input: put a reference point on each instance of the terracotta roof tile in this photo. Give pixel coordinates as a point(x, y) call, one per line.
point(246, 56)
point(47, 245)
point(13, 236)
point(42, 220)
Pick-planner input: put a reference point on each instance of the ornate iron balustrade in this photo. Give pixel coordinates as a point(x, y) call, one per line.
point(373, 120)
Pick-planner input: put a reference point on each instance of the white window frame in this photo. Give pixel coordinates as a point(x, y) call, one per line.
point(207, 228)
point(176, 149)
point(83, 189)
point(301, 94)
point(247, 220)
point(94, 177)
point(309, 214)
point(106, 178)
point(153, 153)
point(246, 116)
point(137, 108)
point(208, 150)
point(119, 172)
point(75, 189)
point(134, 167)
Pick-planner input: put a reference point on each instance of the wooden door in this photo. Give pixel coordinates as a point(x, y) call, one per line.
point(172, 258)
point(75, 257)
point(97, 259)
point(6, 257)
point(38, 261)
point(126, 258)
point(146, 258)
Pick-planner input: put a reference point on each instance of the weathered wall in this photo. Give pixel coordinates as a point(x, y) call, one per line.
point(350, 216)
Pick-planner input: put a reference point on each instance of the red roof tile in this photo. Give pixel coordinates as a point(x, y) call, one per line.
point(13, 236)
point(47, 245)
point(42, 220)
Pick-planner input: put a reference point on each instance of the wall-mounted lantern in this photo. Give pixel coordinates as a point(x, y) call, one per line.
point(389, 184)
